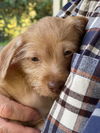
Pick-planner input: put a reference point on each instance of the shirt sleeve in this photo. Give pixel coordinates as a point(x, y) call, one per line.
point(93, 124)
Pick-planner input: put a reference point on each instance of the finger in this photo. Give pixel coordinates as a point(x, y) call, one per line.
point(15, 111)
point(10, 127)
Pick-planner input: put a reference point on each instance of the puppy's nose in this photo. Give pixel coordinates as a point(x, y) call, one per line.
point(56, 86)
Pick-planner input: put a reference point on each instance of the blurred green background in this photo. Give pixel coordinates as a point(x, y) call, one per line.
point(16, 15)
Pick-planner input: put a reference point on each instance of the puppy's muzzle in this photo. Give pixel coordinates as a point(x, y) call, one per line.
point(56, 86)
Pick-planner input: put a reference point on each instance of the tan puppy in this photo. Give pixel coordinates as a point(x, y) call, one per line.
point(35, 65)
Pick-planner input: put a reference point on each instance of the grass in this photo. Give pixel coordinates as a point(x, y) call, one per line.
point(3, 43)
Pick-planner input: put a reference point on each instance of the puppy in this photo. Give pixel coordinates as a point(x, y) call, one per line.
point(35, 65)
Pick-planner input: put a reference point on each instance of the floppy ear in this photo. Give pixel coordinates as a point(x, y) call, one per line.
point(7, 55)
point(78, 22)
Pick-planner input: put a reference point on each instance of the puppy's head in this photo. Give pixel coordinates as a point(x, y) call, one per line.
point(44, 53)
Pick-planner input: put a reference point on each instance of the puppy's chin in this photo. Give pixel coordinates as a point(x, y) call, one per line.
point(45, 92)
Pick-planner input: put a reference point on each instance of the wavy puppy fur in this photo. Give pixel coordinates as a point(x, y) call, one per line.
point(35, 65)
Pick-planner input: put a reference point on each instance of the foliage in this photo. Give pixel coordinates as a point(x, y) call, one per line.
point(16, 15)
point(43, 8)
point(3, 43)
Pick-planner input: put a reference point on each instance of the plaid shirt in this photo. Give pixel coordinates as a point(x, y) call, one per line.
point(78, 108)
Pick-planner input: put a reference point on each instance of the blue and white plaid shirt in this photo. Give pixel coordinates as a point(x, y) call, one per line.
point(78, 108)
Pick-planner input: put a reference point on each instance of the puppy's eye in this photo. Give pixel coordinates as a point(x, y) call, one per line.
point(68, 53)
point(35, 59)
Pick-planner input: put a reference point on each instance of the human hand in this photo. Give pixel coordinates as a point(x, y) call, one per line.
point(12, 110)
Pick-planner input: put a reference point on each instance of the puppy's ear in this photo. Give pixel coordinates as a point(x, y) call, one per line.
point(7, 55)
point(78, 22)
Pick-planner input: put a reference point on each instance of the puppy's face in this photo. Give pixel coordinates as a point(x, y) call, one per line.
point(49, 49)
point(46, 50)
point(47, 65)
